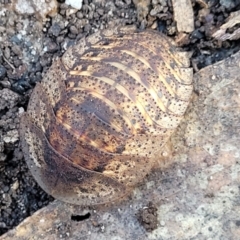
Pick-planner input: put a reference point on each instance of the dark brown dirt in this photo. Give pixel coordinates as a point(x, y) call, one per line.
point(148, 217)
point(25, 54)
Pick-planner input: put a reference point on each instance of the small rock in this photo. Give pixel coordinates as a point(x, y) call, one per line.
point(73, 30)
point(74, 3)
point(3, 72)
point(16, 50)
point(1, 144)
point(79, 15)
point(5, 84)
point(55, 29)
point(6, 189)
point(72, 36)
point(229, 4)
point(156, 10)
point(45, 60)
point(182, 39)
point(162, 223)
point(6, 200)
point(119, 3)
point(7, 53)
point(24, 7)
point(21, 85)
point(51, 47)
point(21, 110)
point(41, 8)
point(197, 34)
point(3, 225)
point(203, 13)
point(148, 217)
point(3, 157)
point(60, 39)
point(8, 98)
point(171, 30)
point(15, 185)
point(16, 62)
point(70, 11)
point(163, 3)
point(87, 28)
point(154, 25)
point(11, 137)
point(100, 11)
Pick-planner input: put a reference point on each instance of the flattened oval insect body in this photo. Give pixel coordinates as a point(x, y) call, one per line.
point(96, 122)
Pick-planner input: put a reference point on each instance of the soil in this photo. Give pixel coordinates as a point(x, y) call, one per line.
point(148, 217)
point(27, 49)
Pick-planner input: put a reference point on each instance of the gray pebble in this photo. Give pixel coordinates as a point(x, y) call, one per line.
point(227, 3)
point(55, 29)
point(90, 15)
point(100, 11)
point(16, 62)
point(119, 3)
point(72, 36)
point(16, 50)
point(87, 28)
point(197, 34)
point(45, 60)
point(60, 39)
point(157, 9)
point(3, 225)
point(5, 84)
point(3, 72)
point(52, 47)
point(73, 30)
point(163, 3)
point(79, 15)
point(7, 53)
point(6, 188)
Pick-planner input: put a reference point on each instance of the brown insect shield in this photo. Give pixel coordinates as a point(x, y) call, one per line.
point(96, 122)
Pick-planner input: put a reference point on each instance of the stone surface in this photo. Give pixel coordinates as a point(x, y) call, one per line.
point(183, 15)
point(225, 33)
point(195, 189)
point(41, 8)
point(8, 98)
point(75, 3)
